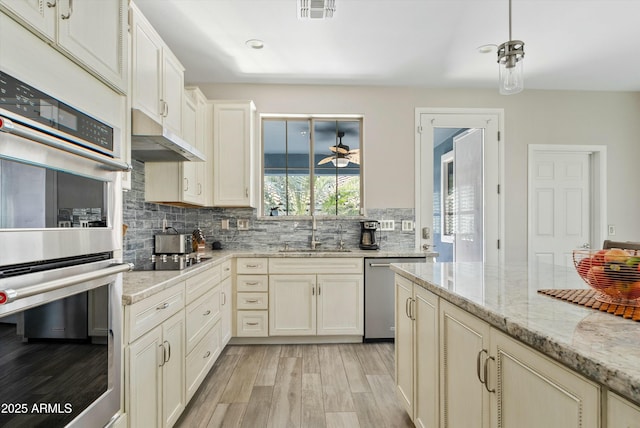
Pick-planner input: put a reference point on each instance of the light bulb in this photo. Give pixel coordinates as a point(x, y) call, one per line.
point(511, 78)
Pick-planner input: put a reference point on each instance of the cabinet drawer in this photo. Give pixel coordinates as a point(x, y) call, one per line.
point(148, 313)
point(201, 315)
point(225, 269)
point(252, 324)
point(251, 265)
point(252, 301)
point(199, 284)
point(309, 265)
point(252, 283)
point(201, 359)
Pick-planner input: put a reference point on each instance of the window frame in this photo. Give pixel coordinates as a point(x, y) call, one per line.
point(311, 118)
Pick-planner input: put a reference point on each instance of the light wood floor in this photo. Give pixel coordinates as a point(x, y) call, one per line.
point(345, 385)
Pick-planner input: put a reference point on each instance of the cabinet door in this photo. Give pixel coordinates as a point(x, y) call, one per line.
point(621, 413)
point(534, 391)
point(404, 343)
point(146, 85)
point(144, 377)
point(172, 92)
point(94, 33)
point(191, 185)
point(225, 302)
point(173, 369)
point(340, 305)
point(426, 368)
point(292, 305)
point(463, 340)
point(40, 15)
point(233, 154)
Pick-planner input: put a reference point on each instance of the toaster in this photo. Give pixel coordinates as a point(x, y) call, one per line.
point(171, 243)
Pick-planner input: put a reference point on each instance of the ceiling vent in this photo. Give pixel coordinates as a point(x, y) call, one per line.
point(316, 9)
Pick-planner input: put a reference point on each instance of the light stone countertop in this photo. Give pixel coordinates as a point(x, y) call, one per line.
point(139, 285)
point(601, 346)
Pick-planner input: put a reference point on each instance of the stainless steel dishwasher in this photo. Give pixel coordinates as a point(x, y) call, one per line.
point(379, 297)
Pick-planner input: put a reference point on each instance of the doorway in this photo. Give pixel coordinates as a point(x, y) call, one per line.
point(567, 201)
point(471, 220)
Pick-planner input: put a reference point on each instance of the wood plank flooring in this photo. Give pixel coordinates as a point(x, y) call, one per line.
point(314, 386)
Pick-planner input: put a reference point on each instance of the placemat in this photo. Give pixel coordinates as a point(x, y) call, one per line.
point(586, 297)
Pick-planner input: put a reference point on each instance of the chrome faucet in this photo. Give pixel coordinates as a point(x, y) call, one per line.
point(314, 243)
point(340, 241)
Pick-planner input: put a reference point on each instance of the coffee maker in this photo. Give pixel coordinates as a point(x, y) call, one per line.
point(368, 237)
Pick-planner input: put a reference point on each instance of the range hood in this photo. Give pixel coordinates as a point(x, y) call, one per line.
point(151, 142)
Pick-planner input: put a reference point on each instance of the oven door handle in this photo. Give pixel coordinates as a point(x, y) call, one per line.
point(10, 127)
point(9, 295)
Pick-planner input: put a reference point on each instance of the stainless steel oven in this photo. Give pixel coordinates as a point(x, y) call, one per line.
point(60, 271)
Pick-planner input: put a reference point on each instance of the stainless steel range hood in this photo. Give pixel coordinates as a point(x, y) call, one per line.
point(151, 142)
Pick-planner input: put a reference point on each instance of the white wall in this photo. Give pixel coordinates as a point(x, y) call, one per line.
point(532, 117)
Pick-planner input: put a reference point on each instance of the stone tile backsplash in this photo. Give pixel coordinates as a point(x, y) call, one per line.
point(264, 234)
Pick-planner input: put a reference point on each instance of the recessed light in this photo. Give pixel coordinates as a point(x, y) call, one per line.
point(254, 43)
point(487, 48)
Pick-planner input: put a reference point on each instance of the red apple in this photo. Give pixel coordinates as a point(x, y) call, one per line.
point(598, 258)
point(583, 267)
point(597, 278)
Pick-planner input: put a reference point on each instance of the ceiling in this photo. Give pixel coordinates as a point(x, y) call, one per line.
point(569, 44)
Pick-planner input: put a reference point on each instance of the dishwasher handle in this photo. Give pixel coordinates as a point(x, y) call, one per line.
point(379, 264)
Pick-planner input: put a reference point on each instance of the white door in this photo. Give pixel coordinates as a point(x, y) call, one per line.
point(468, 241)
point(559, 194)
point(489, 123)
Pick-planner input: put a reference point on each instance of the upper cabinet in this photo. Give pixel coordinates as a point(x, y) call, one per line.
point(157, 76)
point(93, 34)
point(233, 153)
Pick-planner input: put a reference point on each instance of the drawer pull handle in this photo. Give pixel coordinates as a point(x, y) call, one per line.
point(252, 323)
point(224, 298)
point(207, 355)
point(478, 363)
point(206, 313)
point(252, 283)
point(252, 266)
point(165, 305)
point(168, 348)
point(227, 269)
point(251, 300)
point(486, 375)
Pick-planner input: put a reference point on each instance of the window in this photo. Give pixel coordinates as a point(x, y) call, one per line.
point(447, 198)
point(311, 162)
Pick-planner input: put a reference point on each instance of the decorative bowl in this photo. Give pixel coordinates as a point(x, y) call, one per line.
point(614, 273)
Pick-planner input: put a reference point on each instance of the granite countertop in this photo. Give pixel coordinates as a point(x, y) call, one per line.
point(601, 346)
point(139, 285)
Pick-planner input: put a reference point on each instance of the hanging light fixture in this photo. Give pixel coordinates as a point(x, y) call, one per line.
point(510, 56)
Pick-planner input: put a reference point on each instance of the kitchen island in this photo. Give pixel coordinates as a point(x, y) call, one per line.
point(601, 347)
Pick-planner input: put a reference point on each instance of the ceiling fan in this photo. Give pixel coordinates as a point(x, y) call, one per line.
point(342, 155)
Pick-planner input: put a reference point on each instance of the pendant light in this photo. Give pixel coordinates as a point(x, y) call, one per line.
point(510, 58)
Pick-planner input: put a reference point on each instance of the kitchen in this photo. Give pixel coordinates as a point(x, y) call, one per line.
point(538, 115)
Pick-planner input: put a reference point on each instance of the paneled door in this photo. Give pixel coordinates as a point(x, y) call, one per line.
point(559, 194)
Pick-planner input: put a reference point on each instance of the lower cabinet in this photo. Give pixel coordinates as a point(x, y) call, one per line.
point(302, 305)
point(417, 352)
point(486, 378)
point(156, 375)
point(621, 413)
point(226, 303)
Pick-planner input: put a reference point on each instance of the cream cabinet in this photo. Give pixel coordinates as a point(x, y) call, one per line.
point(157, 78)
point(621, 413)
point(226, 305)
point(234, 156)
point(416, 347)
point(524, 382)
point(481, 371)
point(156, 375)
point(327, 300)
point(464, 340)
point(183, 183)
point(252, 297)
point(93, 34)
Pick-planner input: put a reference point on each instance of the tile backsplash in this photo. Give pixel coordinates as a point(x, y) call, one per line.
point(145, 220)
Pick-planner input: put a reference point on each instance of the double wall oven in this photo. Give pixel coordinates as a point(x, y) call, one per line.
point(60, 271)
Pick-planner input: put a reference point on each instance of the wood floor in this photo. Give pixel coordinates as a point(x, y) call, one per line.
point(345, 385)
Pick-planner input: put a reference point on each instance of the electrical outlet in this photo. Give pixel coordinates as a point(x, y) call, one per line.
point(407, 225)
point(243, 224)
point(387, 225)
point(164, 224)
point(612, 230)
point(225, 224)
